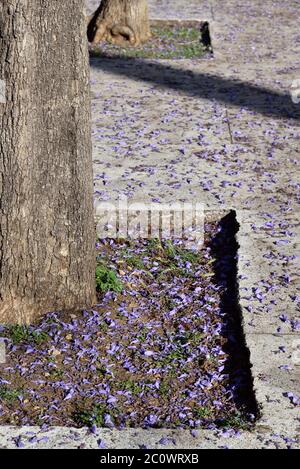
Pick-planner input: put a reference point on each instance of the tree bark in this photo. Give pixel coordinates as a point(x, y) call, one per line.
point(47, 234)
point(121, 22)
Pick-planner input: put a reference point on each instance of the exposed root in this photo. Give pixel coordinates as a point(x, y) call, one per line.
point(119, 23)
point(120, 33)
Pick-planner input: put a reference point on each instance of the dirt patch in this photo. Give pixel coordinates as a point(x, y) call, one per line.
point(170, 40)
point(161, 349)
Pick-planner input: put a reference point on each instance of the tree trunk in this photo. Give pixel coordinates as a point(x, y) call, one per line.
point(121, 22)
point(47, 236)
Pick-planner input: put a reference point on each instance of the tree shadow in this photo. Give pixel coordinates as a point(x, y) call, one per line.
point(211, 87)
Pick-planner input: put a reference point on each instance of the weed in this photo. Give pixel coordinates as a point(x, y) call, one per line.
point(154, 244)
point(56, 374)
point(170, 249)
point(107, 280)
point(237, 422)
point(101, 370)
point(9, 395)
point(173, 356)
point(24, 334)
point(168, 303)
point(88, 417)
point(194, 338)
point(132, 386)
point(202, 412)
point(135, 262)
point(186, 255)
point(165, 388)
point(142, 337)
point(103, 327)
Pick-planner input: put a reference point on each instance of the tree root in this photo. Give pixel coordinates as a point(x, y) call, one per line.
point(113, 24)
point(117, 34)
point(120, 33)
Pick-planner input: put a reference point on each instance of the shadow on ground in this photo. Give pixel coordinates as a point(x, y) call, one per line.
point(207, 86)
point(224, 248)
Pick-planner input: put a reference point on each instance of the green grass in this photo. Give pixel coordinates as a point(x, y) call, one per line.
point(103, 327)
point(236, 422)
point(23, 334)
point(202, 413)
point(172, 357)
point(88, 417)
point(167, 42)
point(56, 374)
point(177, 252)
point(9, 395)
point(194, 338)
point(175, 260)
point(169, 252)
point(129, 385)
point(135, 262)
point(165, 388)
point(85, 416)
point(143, 333)
point(107, 280)
point(154, 244)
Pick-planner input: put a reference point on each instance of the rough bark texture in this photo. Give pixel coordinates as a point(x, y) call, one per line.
point(121, 22)
point(46, 210)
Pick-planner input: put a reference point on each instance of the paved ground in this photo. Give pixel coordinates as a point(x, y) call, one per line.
point(222, 131)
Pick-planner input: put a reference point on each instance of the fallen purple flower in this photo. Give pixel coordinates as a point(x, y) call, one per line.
point(101, 444)
point(294, 399)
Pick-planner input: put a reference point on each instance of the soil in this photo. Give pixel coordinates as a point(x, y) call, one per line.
point(159, 350)
point(167, 42)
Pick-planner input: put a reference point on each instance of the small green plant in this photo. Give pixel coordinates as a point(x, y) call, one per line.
point(94, 415)
point(186, 255)
point(135, 262)
point(154, 244)
point(179, 254)
point(237, 422)
point(170, 250)
point(56, 374)
point(9, 395)
point(88, 417)
point(107, 280)
point(203, 412)
point(194, 338)
point(103, 327)
point(132, 386)
point(24, 334)
point(165, 388)
point(143, 332)
point(177, 354)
